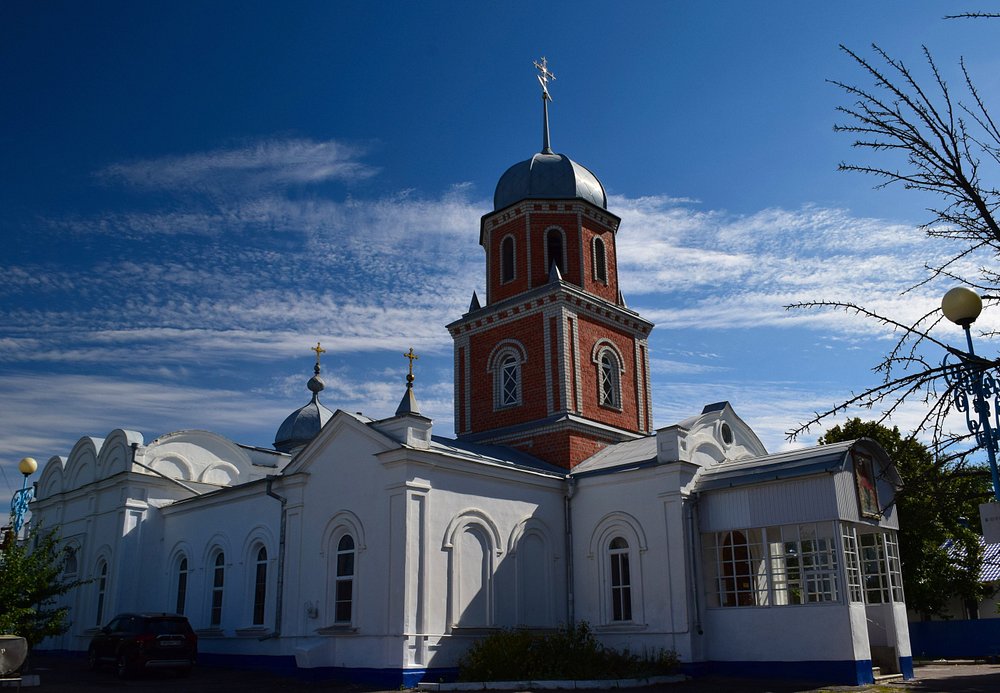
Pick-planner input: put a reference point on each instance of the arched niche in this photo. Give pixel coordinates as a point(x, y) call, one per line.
point(81, 467)
point(116, 453)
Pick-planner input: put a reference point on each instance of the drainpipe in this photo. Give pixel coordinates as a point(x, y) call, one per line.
point(281, 558)
point(693, 545)
point(570, 597)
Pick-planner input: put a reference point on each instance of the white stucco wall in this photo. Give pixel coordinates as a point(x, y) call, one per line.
point(803, 633)
point(646, 508)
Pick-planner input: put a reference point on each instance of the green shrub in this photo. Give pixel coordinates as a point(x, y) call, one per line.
point(571, 652)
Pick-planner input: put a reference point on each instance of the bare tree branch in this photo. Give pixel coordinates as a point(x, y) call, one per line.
point(922, 137)
point(974, 15)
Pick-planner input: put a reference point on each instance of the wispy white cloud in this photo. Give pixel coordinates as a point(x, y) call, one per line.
point(235, 288)
point(687, 267)
point(254, 166)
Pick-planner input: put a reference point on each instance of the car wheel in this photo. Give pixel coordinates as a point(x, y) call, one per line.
point(122, 667)
point(92, 660)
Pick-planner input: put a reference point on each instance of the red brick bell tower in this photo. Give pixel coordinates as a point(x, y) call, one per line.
point(554, 363)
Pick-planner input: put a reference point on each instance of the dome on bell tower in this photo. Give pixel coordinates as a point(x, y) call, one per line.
point(548, 176)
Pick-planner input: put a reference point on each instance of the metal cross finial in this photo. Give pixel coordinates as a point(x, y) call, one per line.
point(319, 350)
point(413, 357)
point(544, 75)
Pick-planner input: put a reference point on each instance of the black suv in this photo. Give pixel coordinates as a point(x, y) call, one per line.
point(136, 642)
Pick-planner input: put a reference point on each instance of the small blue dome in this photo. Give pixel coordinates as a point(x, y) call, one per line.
point(301, 426)
point(304, 423)
point(549, 177)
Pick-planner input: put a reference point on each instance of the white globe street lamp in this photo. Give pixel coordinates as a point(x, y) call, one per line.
point(971, 379)
point(19, 501)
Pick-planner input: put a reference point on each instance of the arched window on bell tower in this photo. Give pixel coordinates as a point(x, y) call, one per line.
point(505, 365)
point(507, 259)
point(610, 368)
point(555, 249)
point(600, 261)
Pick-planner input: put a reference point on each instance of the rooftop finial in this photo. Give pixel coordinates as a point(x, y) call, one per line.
point(319, 350)
point(413, 357)
point(408, 405)
point(316, 383)
point(543, 78)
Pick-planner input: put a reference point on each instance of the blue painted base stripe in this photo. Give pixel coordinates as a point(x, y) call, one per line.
point(846, 672)
point(391, 677)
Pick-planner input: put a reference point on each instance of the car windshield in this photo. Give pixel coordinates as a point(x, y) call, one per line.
point(169, 626)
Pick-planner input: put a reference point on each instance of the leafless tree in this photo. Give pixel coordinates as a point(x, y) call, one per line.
point(925, 140)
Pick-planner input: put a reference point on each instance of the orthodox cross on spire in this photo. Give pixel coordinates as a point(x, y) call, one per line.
point(319, 350)
point(408, 405)
point(544, 75)
point(413, 357)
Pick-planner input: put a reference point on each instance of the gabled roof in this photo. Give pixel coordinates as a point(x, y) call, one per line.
point(628, 455)
point(476, 453)
point(786, 465)
point(493, 454)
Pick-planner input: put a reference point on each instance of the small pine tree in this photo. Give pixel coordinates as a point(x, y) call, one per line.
point(30, 581)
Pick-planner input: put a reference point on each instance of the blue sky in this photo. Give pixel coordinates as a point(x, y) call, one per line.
point(193, 194)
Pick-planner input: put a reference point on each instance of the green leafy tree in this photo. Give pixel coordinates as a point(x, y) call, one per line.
point(30, 582)
point(938, 503)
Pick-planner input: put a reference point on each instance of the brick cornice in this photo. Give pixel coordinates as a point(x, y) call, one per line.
point(522, 209)
point(552, 424)
point(535, 301)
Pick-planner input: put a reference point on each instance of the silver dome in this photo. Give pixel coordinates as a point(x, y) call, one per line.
point(548, 176)
point(301, 426)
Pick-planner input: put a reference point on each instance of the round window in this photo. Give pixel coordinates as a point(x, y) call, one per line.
point(727, 433)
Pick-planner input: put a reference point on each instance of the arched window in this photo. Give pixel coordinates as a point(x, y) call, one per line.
point(600, 261)
point(505, 368)
point(507, 259)
point(260, 587)
point(218, 583)
point(344, 591)
point(617, 544)
point(182, 582)
point(621, 580)
point(102, 590)
point(609, 384)
point(554, 250)
point(510, 381)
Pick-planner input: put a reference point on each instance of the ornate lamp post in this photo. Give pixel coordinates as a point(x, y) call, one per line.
point(970, 378)
point(19, 501)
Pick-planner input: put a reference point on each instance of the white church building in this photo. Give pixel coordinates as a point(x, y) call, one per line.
point(373, 549)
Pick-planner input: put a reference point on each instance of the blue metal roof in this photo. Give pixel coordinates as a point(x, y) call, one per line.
point(630, 454)
point(494, 454)
point(786, 465)
point(990, 570)
point(783, 465)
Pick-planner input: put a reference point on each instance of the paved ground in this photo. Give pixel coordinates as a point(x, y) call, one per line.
point(61, 675)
